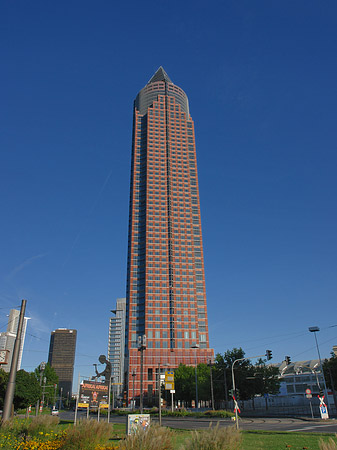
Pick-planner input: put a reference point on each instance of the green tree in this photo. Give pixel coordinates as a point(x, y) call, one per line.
point(184, 383)
point(50, 380)
point(330, 374)
point(27, 389)
point(204, 382)
point(266, 379)
point(243, 373)
point(3, 384)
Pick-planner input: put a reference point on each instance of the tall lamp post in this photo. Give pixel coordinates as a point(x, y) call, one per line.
point(210, 364)
point(141, 348)
point(133, 389)
point(159, 392)
point(196, 346)
point(315, 330)
point(269, 356)
point(42, 368)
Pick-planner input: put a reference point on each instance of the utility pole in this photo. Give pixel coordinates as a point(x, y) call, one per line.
point(43, 391)
point(211, 376)
point(196, 346)
point(226, 389)
point(41, 367)
point(133, 390)
point(12, 375)
point(141, 348)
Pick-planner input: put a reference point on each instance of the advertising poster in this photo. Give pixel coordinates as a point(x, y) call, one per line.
point(93, 393)
point(136, 422)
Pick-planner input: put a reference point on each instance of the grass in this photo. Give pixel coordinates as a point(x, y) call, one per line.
point(12, 433)
point(273, 440)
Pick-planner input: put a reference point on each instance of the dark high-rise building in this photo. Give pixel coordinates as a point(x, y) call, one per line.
point(62, 356)
point(166, 298)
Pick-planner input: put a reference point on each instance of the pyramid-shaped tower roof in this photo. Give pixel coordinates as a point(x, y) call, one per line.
point(160, 75)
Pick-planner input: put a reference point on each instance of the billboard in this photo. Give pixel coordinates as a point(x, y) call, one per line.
point(137, 422)
point(93, 393)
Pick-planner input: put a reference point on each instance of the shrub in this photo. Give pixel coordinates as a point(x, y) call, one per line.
point(214, 438)
point(153, 438)
point(87, 435)
point(41, 424)
point(219, 413)
point(330, 445)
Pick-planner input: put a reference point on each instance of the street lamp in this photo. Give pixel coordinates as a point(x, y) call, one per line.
point(133, 388)
point(315, 330)
point(210, 364)
point(141, 348)
point(196, 346)
point(159, 391)
point(42, 368)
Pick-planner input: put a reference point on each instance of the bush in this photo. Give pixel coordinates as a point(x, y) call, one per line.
point(330, 445)
point(209, 413)
point(87, 435)
point(41, 424)
point(153, 438)
point(214, 438)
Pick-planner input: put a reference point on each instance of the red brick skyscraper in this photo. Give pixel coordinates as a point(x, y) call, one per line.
point(166, 298)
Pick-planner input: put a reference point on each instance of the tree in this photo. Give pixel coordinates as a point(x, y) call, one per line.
point(184, 383)
point(330, 374)
point(330, 371)
point(51, 379)
point(266, 379)
point(243, 374)
point(3, 385)
point(27, 389)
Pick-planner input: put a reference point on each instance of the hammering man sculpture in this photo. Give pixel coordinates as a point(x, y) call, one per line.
point(106, 373)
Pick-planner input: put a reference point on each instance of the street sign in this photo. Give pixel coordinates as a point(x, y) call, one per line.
point(169, 377)
point(172, 391)
point(324, 412)
point(323, 408)
point(169, 386)
point(308, 391)
point(308, 395)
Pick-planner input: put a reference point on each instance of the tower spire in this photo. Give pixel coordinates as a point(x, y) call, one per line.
point(160, 75)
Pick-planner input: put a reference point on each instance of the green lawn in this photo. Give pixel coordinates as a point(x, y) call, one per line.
point(258, 440)
point(264, 440)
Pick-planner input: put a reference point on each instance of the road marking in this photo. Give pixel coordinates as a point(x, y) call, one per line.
point(312, 427)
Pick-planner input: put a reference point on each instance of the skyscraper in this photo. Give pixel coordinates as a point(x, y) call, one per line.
point(166, 298)
point(116, 345)
point(62, 356)
point(7, 338)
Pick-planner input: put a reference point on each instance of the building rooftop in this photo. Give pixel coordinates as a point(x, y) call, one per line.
point(160, 75)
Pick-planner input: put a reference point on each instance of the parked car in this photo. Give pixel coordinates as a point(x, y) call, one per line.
point(54, 412)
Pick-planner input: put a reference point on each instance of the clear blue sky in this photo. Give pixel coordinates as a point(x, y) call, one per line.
point(261, 81)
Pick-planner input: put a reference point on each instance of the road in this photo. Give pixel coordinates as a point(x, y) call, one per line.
point(267, 424)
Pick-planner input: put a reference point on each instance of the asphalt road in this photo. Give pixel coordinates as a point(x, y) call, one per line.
point(267, 424)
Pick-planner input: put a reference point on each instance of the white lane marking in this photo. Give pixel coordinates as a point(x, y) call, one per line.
point(313, 427)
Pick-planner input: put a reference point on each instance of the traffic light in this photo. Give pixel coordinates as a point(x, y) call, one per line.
point(231, 392)
point(269, 355)
point(287, 360)
point(321, 393)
